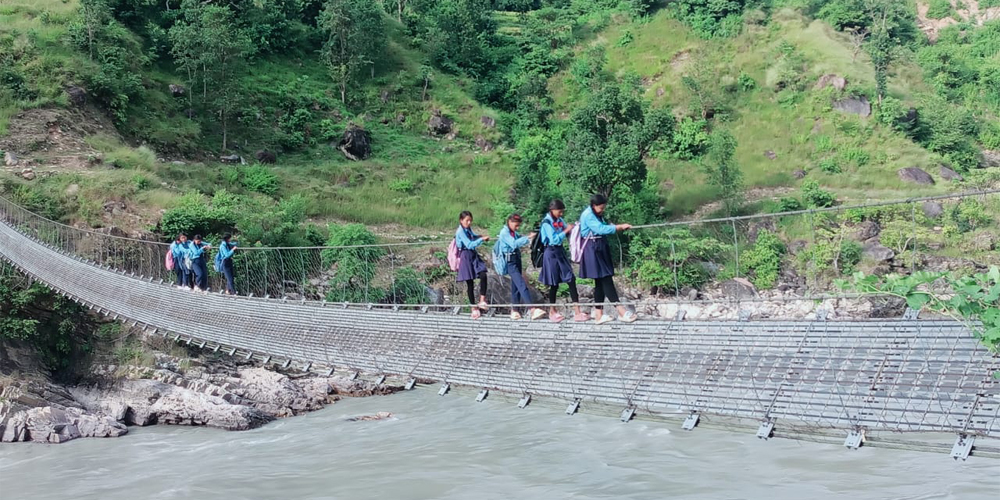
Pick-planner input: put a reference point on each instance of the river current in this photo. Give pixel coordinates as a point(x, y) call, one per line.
point(454, 448)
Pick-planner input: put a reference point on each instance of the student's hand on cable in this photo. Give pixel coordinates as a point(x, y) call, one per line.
point(569, 228)
point(623, 227)
point(486, 238)
point(532, 235)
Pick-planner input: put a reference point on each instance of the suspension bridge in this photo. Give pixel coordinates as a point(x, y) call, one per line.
point(903, 382)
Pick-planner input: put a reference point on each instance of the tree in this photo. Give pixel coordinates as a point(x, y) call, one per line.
point(608, 139)
point(355, 37)
point(889, 26)
point(208, 39)
point(94, 13)
point(722, 170)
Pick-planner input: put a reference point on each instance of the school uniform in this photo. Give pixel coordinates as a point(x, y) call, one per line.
point(510, 244)
point(595, 260)
point(556, 267)
point(199, 267)
point(471, 265)
point(178, 251)
point(226, 251)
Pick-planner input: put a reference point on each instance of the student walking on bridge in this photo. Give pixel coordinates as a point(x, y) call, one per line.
point(225, 256)
point(556, 268)
point(199, 267)
point(178, 251)
point(509, 244)
point(595, 259)
point(471, 266)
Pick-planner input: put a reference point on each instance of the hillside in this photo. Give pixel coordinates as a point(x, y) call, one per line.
point(123, 115)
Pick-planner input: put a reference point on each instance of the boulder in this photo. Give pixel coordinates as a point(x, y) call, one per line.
point(991, 157)
point(854, 105)
point(797, 246)
point(932, 209)
point(909, 120)
point(949, 174)
point(738, 288)
point(799, 174)
point(434, 296)
point(830, 80)
point(10, 159)
point(488, 121)
point(440, 124)
point(916, 175)
point(754, 229)
point(77, 96)
point(265, 156)
point(382, 415)
point(55, 425)
point(28, 174)
point(770, 155)
point(867, 230)
point(483, 144)
point(874, 250)
point(356, 144)
point(177, 90)
point(232, 159)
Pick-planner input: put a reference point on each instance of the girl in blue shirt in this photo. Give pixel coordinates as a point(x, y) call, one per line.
point(556, 268)
point(471, 265)
point(178, 250)
point(226, 250)
point(196, 252)
point(510, 243)
point(595, 261)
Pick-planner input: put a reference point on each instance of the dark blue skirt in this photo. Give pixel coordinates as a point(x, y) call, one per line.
point(470, 265)
point(555, 266)
point(596, 259)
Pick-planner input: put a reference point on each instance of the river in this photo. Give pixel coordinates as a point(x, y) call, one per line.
point(454, 448)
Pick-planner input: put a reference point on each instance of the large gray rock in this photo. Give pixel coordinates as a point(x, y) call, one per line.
point(875, 251)
point(177, 90)
point(738, 288)
point(867, 230)
point(10, 159)
point(949, 174)
point(991, 158)
point(916, 175)
point(356, 143)
point(77, 96)
point(932, 209)
point(854, 105)
point(53, 425)
point(489, 122)
point(984, 242)
point(440, 124)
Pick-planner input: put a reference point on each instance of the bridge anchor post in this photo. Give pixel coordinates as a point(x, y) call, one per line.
point(963, 447)
point(691, 421)
point(482, 395)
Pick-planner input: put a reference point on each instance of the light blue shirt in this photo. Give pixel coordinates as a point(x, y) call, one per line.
point(226, 250)
point(550, 236)
point(179, 250)
point(466, 239)
point(195, 251)
point(592, 225)
point(510, 244)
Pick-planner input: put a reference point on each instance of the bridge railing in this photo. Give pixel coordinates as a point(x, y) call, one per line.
point(953, 231)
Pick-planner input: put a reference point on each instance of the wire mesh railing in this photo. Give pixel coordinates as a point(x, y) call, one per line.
point(811, 247)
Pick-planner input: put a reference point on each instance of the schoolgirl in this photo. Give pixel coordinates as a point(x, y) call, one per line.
point(595, 260)
point(471, 265)
point(556, 268)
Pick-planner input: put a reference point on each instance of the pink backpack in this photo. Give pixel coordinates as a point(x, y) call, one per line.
point(576, 244)
point(169, 261)
point(453, 259)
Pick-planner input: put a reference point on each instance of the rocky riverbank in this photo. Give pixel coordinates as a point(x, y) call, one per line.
point(174, 391)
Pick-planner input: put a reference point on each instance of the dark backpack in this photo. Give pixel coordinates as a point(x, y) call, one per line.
point(537, 249)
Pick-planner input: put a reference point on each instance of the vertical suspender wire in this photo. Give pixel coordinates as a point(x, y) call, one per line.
point(913, 236)
point(673, 260)
point(812, 260)
point(736, 246)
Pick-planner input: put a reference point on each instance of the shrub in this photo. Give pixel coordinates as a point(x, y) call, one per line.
point(354, 268)
point(830, 166)
point(260, 179)
point(763, 262)
point(850, 255)
point(789, 204)
point(746, 82)
point(939, 9)
point(690, 139)
point(970, 214)
point(857, 156)
point(655, 259)
point(816, 197)
point(407, 287)
point(402, 186)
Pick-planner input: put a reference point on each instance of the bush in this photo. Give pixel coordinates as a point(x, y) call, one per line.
point(354, 268)
point(407, 287)
point(763, 262)
point(260, 179)
point(970, 214)
point(655, 259)
point(789, 205)
point(402, 186)
point(830, 166)
point(939, 9)
point(746, 82)
point(815, 197)
point(690, 139)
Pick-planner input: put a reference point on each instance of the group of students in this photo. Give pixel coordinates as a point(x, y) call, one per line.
point(595, 261)
point(190, 262)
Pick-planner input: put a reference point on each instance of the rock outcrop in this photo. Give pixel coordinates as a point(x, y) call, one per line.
point(916, 176)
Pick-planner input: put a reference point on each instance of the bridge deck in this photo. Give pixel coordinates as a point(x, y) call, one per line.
point(890, 375)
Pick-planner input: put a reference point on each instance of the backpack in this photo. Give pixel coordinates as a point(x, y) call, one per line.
point(169, 261)
point(537, 249)
point(499, 260)
point(576, 244)
point(218, 262)
point(453, 258)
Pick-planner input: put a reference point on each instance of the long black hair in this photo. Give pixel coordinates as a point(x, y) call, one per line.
point(464, 214)
point(598, 199)
point(556, 204)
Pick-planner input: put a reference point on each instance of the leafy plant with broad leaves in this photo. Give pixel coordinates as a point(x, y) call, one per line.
point(972, 300)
